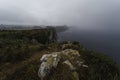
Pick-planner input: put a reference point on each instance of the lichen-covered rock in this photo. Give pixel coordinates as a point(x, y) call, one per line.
point(70, 52)
point(48, 61)
point(72, 68)
point(64, 46)
point(69, 57)
point(69, 45)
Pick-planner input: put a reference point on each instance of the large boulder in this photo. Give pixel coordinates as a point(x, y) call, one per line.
point(68, 57)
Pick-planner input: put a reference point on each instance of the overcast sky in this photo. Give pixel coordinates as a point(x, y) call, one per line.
point(87, 13)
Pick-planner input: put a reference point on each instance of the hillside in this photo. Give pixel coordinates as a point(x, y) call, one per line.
point(21, 51)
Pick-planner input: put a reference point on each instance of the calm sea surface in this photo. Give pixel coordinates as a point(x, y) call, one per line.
point(104, 41)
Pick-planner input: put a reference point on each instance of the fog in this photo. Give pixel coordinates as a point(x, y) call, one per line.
point(95, 23)
point(86, 14)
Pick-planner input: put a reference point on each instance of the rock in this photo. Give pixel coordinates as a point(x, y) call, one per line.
point(44, 58)
point(48, 61)
point(69, 64)
point(80, 63)
point(85, 66)
point(70, 45)
point(70, 52)
point(43, 70)
point(69, 57)
point(64, 46)
point(72, 68)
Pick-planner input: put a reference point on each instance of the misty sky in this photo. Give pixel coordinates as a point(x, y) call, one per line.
point(82, 13)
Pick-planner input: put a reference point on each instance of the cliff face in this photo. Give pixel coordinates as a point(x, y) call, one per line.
point(43, 35)
point(23, 57)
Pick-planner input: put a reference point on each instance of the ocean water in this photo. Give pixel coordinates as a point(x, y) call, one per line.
point(105, 41)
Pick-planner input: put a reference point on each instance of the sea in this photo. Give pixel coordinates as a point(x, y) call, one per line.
point(104, 41)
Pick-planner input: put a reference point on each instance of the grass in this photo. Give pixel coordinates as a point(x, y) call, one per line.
point(20, 59)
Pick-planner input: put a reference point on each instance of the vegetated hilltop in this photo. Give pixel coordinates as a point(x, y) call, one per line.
point(21, 51)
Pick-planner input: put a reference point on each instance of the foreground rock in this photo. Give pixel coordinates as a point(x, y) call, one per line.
point(69, 58)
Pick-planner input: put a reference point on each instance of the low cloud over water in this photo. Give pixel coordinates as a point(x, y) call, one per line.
point(86, 14)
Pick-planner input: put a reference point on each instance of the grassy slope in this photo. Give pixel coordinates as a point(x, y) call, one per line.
point(101, 67)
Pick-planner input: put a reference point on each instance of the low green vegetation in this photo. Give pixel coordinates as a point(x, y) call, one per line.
point(16, 45)
point(20, 51)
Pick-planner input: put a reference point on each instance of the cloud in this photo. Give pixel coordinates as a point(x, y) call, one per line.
point(82, 13)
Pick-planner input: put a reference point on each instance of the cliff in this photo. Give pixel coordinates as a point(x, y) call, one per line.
point(40, 57)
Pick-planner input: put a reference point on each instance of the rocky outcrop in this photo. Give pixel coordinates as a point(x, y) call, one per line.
point(69, 57)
